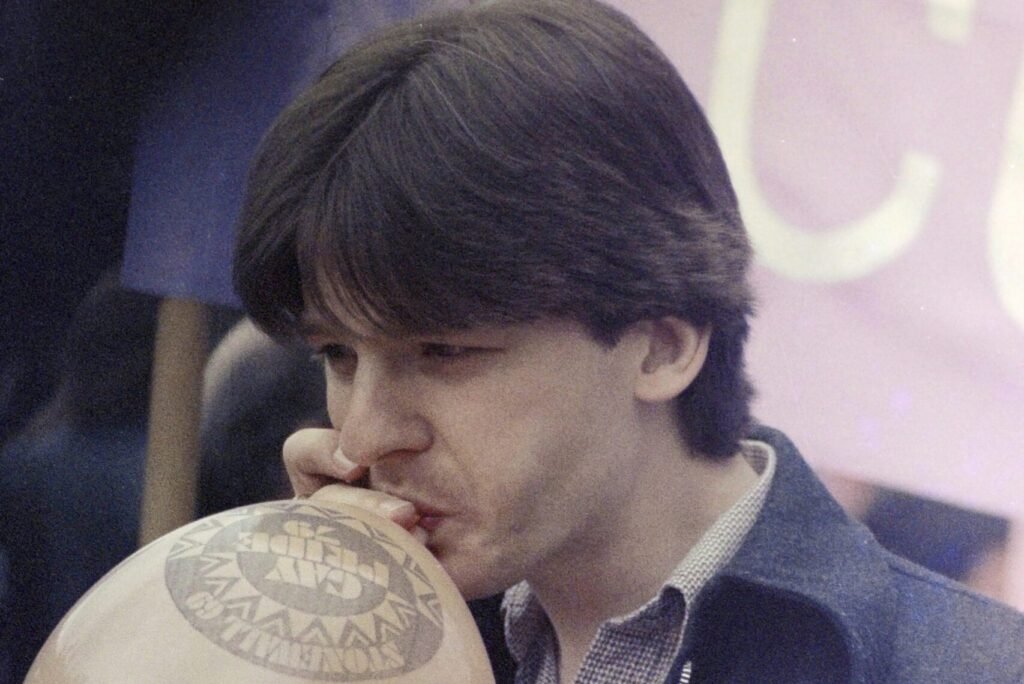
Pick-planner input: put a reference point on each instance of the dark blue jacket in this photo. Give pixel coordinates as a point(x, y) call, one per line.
point(812, 597)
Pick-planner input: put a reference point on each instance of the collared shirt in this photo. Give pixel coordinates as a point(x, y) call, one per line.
point(641, 646)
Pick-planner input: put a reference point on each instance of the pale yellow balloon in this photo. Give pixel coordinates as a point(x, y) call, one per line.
point(297, 592)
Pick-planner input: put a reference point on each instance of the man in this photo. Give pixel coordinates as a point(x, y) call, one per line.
point(510, 234)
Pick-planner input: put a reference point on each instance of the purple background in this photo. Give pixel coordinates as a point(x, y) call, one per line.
point(910, 374)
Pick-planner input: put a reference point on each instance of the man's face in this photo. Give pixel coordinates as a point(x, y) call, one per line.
point(510, 440)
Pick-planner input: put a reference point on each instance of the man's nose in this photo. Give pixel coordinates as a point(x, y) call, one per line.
point(378, 417)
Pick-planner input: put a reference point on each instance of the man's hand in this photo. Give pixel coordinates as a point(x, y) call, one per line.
point(315, 465)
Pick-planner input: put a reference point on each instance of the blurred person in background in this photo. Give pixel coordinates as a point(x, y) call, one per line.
point(256, 392)
point(71, 481)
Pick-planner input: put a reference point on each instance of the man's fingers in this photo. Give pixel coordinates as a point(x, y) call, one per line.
point(312, 459)
point(397, 510)
point(316, 465)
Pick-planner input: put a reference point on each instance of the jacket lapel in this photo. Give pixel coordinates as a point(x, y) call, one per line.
point(807, 595)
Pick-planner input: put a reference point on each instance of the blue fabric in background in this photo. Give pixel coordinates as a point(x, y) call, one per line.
point(203, 121)
point(56, 547)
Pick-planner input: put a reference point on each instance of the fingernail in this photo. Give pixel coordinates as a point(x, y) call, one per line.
point(342, 460)
point(392, 507)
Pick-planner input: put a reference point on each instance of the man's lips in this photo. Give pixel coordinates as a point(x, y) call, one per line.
point(428, 516)
point(430, 522)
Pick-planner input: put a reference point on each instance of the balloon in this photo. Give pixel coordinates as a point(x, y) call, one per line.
point(296, 591)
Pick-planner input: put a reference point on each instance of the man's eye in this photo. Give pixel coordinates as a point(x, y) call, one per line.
point(336, 355)
point(436, 350)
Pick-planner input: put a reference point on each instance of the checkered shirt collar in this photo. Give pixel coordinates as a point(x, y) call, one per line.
point(657, 625)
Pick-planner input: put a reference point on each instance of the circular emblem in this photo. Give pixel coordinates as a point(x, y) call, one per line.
point(306, 591)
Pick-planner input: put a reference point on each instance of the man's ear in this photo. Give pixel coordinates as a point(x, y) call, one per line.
point(676, 351)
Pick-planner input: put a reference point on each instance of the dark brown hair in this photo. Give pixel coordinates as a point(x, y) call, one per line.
point(503, 163)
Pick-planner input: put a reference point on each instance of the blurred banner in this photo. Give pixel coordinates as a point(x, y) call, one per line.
point(242, 63)
point(878, 150)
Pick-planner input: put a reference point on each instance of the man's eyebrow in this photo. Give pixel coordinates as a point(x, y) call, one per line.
point(314, 325)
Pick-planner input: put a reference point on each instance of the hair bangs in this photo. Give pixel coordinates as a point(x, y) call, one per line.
point(376, 242)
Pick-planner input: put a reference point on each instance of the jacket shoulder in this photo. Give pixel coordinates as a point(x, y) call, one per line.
point(947, 632)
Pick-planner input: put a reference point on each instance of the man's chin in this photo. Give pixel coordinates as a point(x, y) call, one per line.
point(473, 586)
